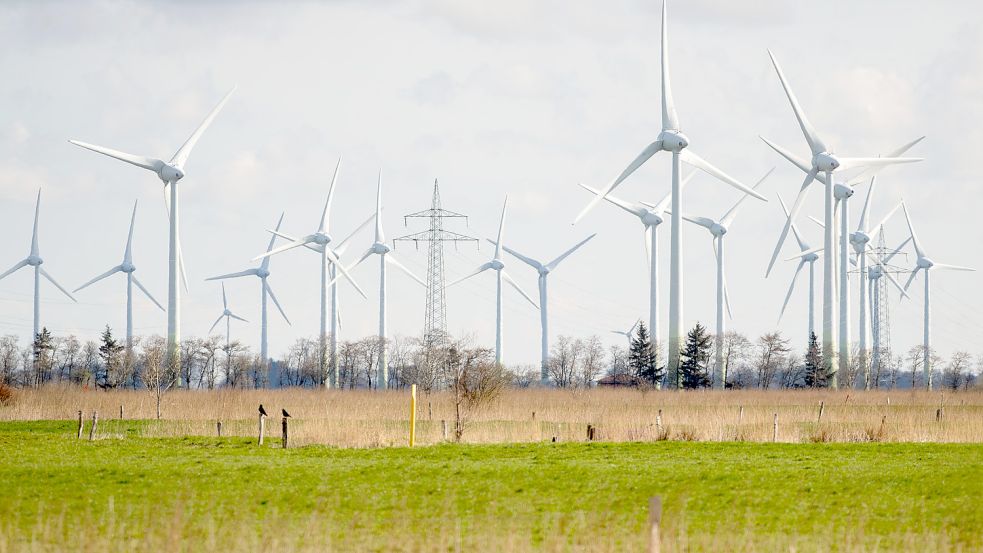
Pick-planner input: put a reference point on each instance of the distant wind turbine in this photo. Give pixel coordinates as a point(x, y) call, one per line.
point(127, 267)
point(228, 315)
point(34, 260)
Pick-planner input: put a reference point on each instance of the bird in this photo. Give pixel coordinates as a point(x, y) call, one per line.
point(261, 410)
point(285, 413)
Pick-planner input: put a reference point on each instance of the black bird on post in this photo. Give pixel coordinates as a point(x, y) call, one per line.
point(261, 410)
point(285, 413)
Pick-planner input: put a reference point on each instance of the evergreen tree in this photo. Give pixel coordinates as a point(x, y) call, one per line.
point(696, 358)
point(110, 351)
point(816, 375)
point(43, 348)
point(642, 360)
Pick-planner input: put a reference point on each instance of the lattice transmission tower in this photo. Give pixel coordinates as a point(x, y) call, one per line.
point(880, 308)
point(435, 318)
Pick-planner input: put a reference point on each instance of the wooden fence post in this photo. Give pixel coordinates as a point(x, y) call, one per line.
point(95, 420)
point(412, 415)
point(218, 428)
point(284, 432)
point(262, 428)
point(740, 416)
point(658, 421)
point(121, 412)
point(774, 434)
point(590, 432)
point(655, 519)
point(429, 411)
point(80, 424)
point(443, 425)
point(822, 407)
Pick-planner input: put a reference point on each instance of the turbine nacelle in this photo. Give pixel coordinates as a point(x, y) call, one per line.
point(859, 241)
point(262, 272)
point(321, 239)
point(170, 173)
point(842, 191)
point(652, 218)
point(718, 230)
point(810, 257)
point(825, 162)
point(875, 272)
point(924, 263)
point(226, 313)
point(127, 267)
point(673, 141)
point(496, 264)
point(380, 249)
point(34, 260)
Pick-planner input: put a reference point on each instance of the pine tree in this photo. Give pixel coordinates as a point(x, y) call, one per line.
point(43, 346)
point(642, 361)
point(110, 351)
point(816, 375)
point(696, 358)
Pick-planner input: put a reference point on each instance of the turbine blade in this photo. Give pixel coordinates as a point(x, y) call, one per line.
point(147, 293)
point(290, 246)
point(527, 260)
point(728, 217)
point(911, 277)
point(181, 156)
point(237, 317)
point(390, 259)
point(885, 272)
point(862, 225)
point(343, 245)
point(877, 228)
point(180, 262)
point(802, 254)
point(664, 203)
point(648, 152)
point(649, 229)
point(225, 302)
point(788, 222)
point(247, 272)
point(705, 222)
point(110, 272)
point(911, 231)
point(34, 235)
point(690, 157)
point(670, 120)
point(128, 252)
point(323, 225)
point(266, 261)
point(847, 163)
point(334, 259)
point(501, 229)
point(948, 267)
point(20, 264)
point(59, 286)
point(480, 269)
point(896, 251)
point(379, 237)
point(799, 162)
point(218, 320)
point(795, 228)
point(869, 173)
point(269, 290)
point(791, 287)
point(634, 209)
point(149, 163)
point(811, 136)
point(518, 288)
point(552, 264)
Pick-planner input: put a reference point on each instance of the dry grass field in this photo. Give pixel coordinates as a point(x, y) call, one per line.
point(371, 419)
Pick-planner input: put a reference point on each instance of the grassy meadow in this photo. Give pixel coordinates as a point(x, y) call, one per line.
point(872, 476)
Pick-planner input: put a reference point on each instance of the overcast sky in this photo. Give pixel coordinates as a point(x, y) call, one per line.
point(491, 98)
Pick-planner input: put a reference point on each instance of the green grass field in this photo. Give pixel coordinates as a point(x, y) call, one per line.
point(194, 494)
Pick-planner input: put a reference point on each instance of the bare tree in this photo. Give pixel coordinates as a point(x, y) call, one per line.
point(737, 348)
point(772, 349)
point(9, 358)
point(476, 380)
point(563, 359)
point(592, 361)
point(157, 375)
point(956, 373)
point(618, 366)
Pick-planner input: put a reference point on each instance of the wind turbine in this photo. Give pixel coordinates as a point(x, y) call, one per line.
point(717, 230)
point(806, 255)
point(319, 241)
point(672, 140)
point(842, 191)
point(544, 269)
point(228, 315)
point(498, 266)
point(924, 263)
point(170, 172)
point(263, 273)
point(651, 217)
point(33, 259)
point(127, 267)
point(823, 161)
point(382, 249)
point(629, 333)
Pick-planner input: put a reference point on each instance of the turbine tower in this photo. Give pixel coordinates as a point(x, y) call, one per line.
point(170, 172)
point(380, 248)
point(717, 230)
point(926, 264)
point(806, 255)
point(34, 260)
point(319, 241)
point(651, 216)
point(127, 267)
point(498, 266)
point(544, 269)
point(672, 140)
point(263, 273)
point(228, 315)
point(823, 161)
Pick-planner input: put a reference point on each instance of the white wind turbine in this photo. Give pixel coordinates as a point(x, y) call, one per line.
point(671, 139)
point(170, 172)
point(381, 248)
point(717, 230)
point(127, 267)
point(629, 333)
point(924, 263)
point(33, 259)
point(842, 191)
point(498, 266)
point(651, 216)
point(823, 161)
point(228, 315)
point(263, 273)
point(806, 255)
point(544, 269)
point(319, 241)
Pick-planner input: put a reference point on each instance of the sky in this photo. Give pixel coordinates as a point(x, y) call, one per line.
point(517, 98)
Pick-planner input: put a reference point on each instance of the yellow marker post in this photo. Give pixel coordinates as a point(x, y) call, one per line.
point(412, 414)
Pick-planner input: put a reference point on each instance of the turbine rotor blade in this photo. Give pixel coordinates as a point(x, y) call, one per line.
point(947, 267)
point(480, 269)
point(847, 163)
point(634, 209)
point(791, 287)
point(218, 320)
point(788, 222)
point(269, 290)
point(812, 137)
point(648, 152)
point(148, 163)
point(690, 157)
point(527, 260)
point(147, 292)
point(334, 259)
point(670, 120)
point(181, 156)
point(553, 264)
point(247, 272)
point(390, 259)
point(295, 244)
point(110, 272)
point(18, 265)
point(59, 286)
point(518, 288)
